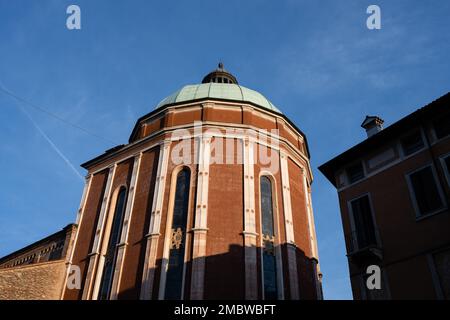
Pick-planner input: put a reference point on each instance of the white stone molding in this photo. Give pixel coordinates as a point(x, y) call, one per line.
point(250, 247)
point(201, 214)
point(80, 213)
point(312, 235)
point(310, 216)
point(252, 130)
point(148, 275)
point(289, 227)
point(121, 247)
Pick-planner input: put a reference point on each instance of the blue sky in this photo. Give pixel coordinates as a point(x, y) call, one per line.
point(315, 60)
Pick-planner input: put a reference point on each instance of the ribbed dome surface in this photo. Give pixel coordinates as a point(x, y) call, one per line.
point(225, 91)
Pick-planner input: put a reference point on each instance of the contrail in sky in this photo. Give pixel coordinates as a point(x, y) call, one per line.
point(67, 161)
point(46, 137)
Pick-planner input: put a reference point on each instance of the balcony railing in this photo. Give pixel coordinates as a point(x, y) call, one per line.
point(363, 246)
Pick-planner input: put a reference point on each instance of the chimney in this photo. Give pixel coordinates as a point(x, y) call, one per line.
point(373, 125)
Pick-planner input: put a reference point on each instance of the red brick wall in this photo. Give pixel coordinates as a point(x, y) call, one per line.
point(186, 117)
point(301, 232)
point(86, 230)
point(225, 273)
point(222, 115)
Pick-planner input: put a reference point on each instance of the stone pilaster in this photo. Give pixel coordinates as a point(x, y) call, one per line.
point(148, 275)
point(201, 213)
point(250, 246)
point(289, 227)
point(311, 229)
point(312, 236)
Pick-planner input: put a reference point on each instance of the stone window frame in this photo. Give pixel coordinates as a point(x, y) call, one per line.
point(353, 165)
point(277, 233)
point(105, 238)
point(440, 295)
point(168, 233)
point(410, 133)
point(418, 215)
point(433, 126)
point(355, 244)
point(445, 169)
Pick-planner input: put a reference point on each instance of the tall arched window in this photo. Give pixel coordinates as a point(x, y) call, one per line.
point(111, 251)
point(174, 276)
point(268, 233)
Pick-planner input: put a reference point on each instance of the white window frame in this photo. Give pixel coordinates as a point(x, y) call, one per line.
point(352, 220)
point(418, 214)
point(434, 275)
point(444, 167)
point(404, 156)
point(436, 139)
point(347, 177)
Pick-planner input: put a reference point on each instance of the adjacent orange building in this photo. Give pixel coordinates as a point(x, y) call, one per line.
point(394, 191)
point(210, 199)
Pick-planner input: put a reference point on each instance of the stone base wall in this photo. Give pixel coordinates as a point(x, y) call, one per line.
point(41, 281)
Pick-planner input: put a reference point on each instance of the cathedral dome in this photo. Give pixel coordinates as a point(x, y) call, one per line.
point(222, 85)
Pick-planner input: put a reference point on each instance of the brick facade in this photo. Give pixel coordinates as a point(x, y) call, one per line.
point(215, 256)
point(41, 281)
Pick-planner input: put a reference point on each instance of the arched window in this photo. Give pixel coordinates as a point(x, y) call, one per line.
point(111, 251)
point(174, 276)
point(268, 233)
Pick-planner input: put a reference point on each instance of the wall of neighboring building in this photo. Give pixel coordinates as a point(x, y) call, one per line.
point(37, 271)
point(40, 281)
point(408, 241)
point(53, 247)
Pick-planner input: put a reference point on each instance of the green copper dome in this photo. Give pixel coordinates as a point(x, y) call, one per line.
point(218, 84)
point(223, 91)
